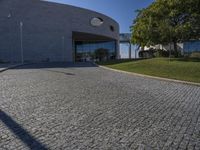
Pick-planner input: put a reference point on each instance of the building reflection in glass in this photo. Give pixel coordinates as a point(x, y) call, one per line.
point(95, 51)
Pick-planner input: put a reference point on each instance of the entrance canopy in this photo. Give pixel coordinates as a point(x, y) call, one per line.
point(80, 36)
point(125, 37)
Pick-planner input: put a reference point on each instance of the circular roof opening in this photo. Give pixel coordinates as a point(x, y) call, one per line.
point(96, 22)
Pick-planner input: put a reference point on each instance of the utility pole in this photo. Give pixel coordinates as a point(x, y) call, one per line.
point(10, 35)
point(21, 42)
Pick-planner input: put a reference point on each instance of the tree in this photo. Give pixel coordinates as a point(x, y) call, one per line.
point(167, 21)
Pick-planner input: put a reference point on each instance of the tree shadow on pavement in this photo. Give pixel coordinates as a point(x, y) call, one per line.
point(21, 133)
point(65, 73)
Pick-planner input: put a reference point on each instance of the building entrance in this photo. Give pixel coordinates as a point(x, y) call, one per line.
point(95, 50)
point(91, 47)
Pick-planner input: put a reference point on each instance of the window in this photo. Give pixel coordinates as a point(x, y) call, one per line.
point(112, 28)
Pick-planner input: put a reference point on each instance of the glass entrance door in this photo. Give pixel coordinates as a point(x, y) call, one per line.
point(95, 51)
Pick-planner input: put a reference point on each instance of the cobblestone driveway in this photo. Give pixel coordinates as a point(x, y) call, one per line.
point(85, 107)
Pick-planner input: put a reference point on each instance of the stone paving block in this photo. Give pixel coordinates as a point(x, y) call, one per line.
point(72, 106)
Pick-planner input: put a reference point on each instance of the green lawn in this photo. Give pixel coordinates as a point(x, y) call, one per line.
point(180, 69)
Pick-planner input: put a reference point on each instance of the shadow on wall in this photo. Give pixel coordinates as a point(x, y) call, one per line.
point(21, 133)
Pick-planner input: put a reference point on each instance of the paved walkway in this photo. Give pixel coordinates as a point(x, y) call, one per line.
point(85, 107)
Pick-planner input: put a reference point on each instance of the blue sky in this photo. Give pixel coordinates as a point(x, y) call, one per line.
point(123, 11)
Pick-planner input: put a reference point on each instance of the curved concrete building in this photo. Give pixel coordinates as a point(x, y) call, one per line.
point(36, 31)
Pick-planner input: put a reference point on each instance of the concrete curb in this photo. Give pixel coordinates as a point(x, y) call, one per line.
point(152, 77)
point(11, 67)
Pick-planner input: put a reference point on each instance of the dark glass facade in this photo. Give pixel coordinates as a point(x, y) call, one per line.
point(191, 46)
point(95, 51)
